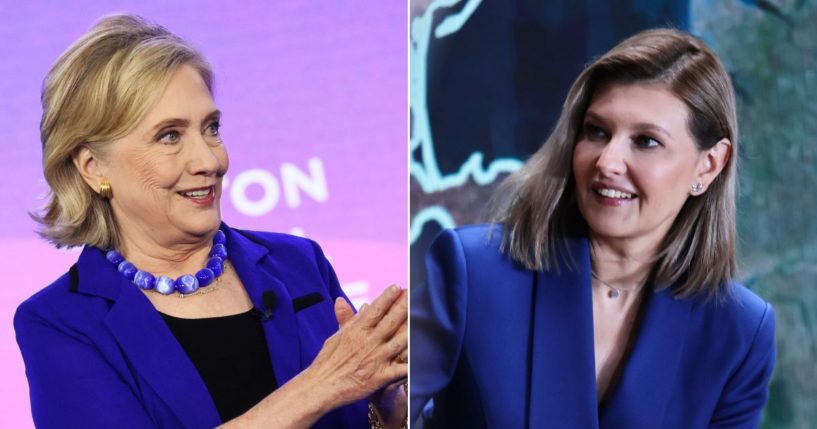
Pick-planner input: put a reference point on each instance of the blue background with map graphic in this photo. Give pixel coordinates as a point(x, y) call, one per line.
point(488, 79)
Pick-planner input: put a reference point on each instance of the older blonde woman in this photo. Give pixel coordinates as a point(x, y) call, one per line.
point(134, 159)
point(607, 296)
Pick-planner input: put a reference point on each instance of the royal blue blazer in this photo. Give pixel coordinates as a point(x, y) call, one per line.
point(98, 354)
point(494, 345)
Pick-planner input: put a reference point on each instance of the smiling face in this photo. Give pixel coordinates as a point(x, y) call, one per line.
point(166, 174)
point(635, 162)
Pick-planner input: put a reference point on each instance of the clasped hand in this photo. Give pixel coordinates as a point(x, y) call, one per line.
point(367, 356)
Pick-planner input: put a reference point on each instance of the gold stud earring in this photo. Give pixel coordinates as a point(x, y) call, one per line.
point(105, 189)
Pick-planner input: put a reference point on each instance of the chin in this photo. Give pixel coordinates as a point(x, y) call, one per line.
point(201, 226)
point(608, 228)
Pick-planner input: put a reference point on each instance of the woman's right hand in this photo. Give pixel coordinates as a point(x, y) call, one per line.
point(364, 355)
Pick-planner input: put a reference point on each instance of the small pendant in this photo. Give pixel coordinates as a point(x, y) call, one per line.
point(614, 293)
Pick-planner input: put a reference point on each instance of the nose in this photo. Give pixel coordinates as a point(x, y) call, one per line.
point(204, 157)
point(612, 159)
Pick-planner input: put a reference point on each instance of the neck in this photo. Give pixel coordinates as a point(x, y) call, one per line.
point(622, 264)
point(164, 257)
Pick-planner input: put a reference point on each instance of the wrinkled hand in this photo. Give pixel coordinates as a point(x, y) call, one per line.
point(361, 358)
point(390, 402)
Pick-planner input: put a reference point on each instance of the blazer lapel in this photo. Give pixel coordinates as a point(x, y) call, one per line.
point(640, 398)
point(153, 350)
point(563, 384)
point(252, 263)
point(147, 342)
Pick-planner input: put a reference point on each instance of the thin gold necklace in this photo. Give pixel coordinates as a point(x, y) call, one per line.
point(211, 288)
point(614, 292)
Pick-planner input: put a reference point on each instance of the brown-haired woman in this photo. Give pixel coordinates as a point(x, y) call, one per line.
point(134, 160)
point(606, 296)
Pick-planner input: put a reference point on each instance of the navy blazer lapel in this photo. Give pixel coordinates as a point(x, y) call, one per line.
point(147, 342)
point(640, 397)
point(563, 384)
point(281, 330)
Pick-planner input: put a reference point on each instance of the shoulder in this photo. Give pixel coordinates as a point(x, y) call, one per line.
point(296, 260)
point(60, 307)
point(48, 297)
point(482, 236)
point(741, 312)
point(277, 240)
point(471, 257)
point(746, 305)
point(471, 241)
point(283, 244)
point(740, 325)
point(731, 350)
point(481, 247)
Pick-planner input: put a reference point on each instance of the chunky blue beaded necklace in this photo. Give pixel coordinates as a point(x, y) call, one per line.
point(185, 284)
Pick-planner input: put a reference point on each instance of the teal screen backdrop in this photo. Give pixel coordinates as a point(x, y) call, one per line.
point(488, 78)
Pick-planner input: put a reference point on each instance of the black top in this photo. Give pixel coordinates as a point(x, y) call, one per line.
point(231, 356)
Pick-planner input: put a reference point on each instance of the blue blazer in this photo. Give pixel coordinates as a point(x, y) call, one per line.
point(494, 345)
point(99, 355)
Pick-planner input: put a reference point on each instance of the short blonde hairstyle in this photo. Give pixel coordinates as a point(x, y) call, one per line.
point(698, 254)
point(99, 89)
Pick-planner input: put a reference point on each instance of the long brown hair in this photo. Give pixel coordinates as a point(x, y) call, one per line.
point(698, 254)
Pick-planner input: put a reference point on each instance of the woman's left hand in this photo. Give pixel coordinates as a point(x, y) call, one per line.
point(391, 405)
point(390, 402)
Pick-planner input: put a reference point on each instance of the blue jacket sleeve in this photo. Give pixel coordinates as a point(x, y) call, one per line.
point(70, 384)
point(742, 400)
point(438, 310)
point(328, 274)
point(353, 415)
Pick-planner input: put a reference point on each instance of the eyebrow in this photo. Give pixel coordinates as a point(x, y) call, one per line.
point(640, 126)
point(179, 122)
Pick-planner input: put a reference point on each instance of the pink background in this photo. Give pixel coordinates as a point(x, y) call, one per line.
point(297, 81)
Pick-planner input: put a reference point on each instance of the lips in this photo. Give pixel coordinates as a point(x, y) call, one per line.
point(613, 192)
point(198, 193)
